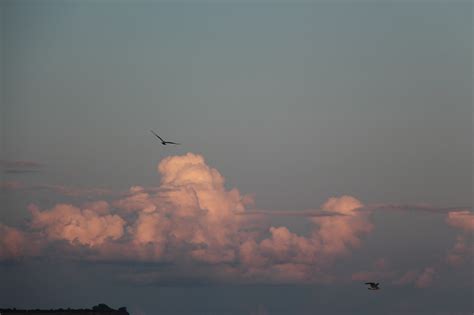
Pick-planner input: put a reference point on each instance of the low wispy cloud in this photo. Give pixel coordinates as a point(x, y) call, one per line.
point(19, 166)
point(12, 185)
point(73, 191)
point(63, 190)
point(412, 208)
point(365, 208)
point(289, 213)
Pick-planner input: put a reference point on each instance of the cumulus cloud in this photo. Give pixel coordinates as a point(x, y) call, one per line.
point(284, 256)
point(83, 226)
point(338, 234)
point(191, 216)
point(192, 219)
point(287, 256)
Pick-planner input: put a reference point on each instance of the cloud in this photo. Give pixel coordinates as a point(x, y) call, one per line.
point(461, 219)
point(287, 257)
point(193, 211)
point(289, 213)
point(74, 191)
point(338, 234)
point(204, 230)
point(191, 216)
point(57, 189)
point(363, 208)
point(463, 249)
point(426, 278)
point(11, 185)
point(407, 278)
point(88, 227)
point(420, 279)
point(18, 166)
point(12, 242)
point(138, 199)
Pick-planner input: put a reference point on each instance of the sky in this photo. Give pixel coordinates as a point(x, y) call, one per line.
point(323, 145)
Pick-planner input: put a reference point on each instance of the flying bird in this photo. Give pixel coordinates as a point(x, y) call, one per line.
point(163, 142)
point(373, 286)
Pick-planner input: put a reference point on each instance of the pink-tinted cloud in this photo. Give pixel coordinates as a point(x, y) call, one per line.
point(190, 213)
point(338, 234)
point(83, 226)
point(380, 264)
point(138, 199)
point(12, 242)
point(407, 278)
point(461, 251)
point(420, 279)
point(463, 248)
point(425, 279)
point(461, 219)
point(291, 257)
point(191, 218)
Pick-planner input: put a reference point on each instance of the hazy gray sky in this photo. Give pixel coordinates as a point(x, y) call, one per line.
point(293, 103)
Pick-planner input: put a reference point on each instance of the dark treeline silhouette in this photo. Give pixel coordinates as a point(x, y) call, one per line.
point(100, 309)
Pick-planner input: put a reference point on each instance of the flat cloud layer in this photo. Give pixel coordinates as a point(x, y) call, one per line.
point(191, 218)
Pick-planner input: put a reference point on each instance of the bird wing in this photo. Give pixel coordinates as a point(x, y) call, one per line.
point(171, 142)
point(157, 135)
point(370, 283)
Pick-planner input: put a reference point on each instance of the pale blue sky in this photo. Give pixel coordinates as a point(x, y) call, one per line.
point(308, 100)
point(294, 103)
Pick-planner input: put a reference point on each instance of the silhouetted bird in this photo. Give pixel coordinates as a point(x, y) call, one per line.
point(163, 142)
point(373, 285)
